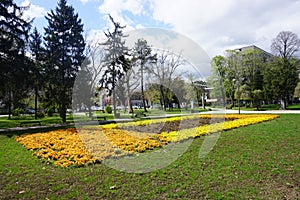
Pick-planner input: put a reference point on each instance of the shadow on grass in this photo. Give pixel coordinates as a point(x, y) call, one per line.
point(11, 133)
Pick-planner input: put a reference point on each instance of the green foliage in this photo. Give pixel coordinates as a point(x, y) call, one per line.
point(297, 91)
point(50, 111)
point(115, 61)
point(142, 53)
point(218, 79)
point(13, 61)
point(40, 114)
point(65, 47)
point(18, 112)
point(280, 78)
point(108, 109)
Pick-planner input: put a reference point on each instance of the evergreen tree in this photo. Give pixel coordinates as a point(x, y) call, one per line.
point(65, 46)
point(142, 54)
point(13, 37)
point(115, 59)
point(37, 71)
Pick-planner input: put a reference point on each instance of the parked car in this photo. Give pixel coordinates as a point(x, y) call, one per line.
point(29, 111)
point(96, 108)
point(120, 107)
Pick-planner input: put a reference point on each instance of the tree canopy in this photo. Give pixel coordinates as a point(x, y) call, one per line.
point(65, 47)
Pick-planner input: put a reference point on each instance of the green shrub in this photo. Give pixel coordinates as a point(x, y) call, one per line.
point(40, 114)
point(108, 109)
point(50, 111)
point(17, 112)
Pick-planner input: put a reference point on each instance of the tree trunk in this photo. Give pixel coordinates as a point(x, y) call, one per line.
point(35, 101)
point(114, 104)
point(283, 103)
point(128, 96)
point(63, 112)
point(9, 105)
point(203, 102)
point(163, 103)
point(142, 87)
point(63, 109)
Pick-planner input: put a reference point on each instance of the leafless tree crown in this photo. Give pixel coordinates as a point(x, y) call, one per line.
point(285, 44)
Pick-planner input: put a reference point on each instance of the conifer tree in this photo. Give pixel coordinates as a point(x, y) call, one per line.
point(142, 53)
point(65, 45)
point(13, 37)
point(115, 59)
point(37, 71)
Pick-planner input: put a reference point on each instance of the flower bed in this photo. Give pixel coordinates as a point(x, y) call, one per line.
point(71, 148)
point(61, 147)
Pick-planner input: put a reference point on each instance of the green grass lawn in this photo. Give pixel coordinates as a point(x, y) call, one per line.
point(262, 107)
point(271, 107)
point(256, 162)
point(15, 121)
point(293, 107)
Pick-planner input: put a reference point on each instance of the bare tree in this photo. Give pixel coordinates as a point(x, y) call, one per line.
point(126, 86)
point(165, 71)
point(87, 80)
point(96, 55)
point(285, 44)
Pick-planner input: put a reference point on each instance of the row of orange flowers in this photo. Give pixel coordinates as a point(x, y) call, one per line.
point(71, 147)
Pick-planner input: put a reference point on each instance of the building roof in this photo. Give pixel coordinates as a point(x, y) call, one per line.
point(255, 47)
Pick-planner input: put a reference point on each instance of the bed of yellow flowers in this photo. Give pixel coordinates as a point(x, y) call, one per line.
point(71, 147)
point(62, 147)
point(240, 121)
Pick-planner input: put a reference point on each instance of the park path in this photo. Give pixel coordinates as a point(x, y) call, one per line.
point(214, 111)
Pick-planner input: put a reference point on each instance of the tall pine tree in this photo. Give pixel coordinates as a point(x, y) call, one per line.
point(65, 51)
point(115, 59)
point(13, 37)
point(142, 54)
point(37, 68)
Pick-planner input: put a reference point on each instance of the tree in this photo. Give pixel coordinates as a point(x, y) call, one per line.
point(236, 69)
point(285, 44)
point(14, 33)
point(142, 54)
point(218, 77)
point(65, 47)
point(297, 91)
point(164, 71)
point(253, 62)
point(115, 59)
point(280, 79)
point(83, 90)
point(128, 84)
point(86, 87)
point(37, 53)
point(285, 66)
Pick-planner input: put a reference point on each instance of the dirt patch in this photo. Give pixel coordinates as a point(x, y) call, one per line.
point(174, 125)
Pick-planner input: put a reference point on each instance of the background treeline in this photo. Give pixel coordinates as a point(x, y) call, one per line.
point(255, 76)
point(61, 69)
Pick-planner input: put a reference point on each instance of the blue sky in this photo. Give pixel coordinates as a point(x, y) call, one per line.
point(215, 25)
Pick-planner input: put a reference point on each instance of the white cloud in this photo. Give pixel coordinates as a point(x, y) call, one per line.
point(218, 25)
point(34, 11)
point(87, 1)
point(116, 8)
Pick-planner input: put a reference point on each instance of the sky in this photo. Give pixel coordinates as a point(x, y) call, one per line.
point(215, 25)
